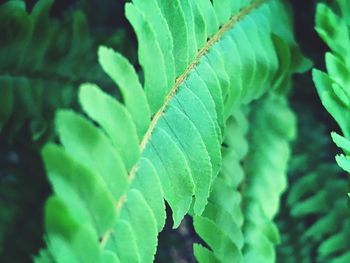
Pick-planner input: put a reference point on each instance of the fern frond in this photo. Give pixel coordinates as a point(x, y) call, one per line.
point(332, 86)
point(237, 223)
point(326, 237)
point(314, 219)
point(42, 60)
point(117, 164)
point(220, 225)
point(266, 175)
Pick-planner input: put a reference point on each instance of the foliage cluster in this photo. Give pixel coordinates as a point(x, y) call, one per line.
point(193, 131)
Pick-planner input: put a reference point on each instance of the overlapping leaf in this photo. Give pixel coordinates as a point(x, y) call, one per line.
point(266, 175)
point(164, 140)
point(332, 86)
point(42, 60)
point(220, 225)
point(333, 90)
point(314, 220)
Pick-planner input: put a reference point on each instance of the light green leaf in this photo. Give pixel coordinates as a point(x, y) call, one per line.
point(116, 121)
point(124, 75)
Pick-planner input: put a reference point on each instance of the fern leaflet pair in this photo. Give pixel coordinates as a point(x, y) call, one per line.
point(202, 63)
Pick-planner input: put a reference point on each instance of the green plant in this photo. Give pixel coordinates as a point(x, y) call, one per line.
point(42, 61)
point(332, 87)
point(201, 124)
point(130, 161)
point(319, 211)
point(314, 218)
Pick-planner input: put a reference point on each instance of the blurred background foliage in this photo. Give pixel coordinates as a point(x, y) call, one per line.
point(42, 86)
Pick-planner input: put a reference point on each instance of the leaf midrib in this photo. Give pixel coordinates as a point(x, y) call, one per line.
point(223, 29)
point(179, 80)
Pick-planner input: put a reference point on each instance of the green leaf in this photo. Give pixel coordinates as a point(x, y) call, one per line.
point(224, 249)
point(167, 137)
point(332, 29)
point(143, 224)
point(69, 241)
point(116, 121)
point(43, 60)
point(175, 17)
point(124, 75)
point(174, 172)
point(85, 194)
point(204, 255)
point(150, 57)
point(191, 144)
point(148, 183)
